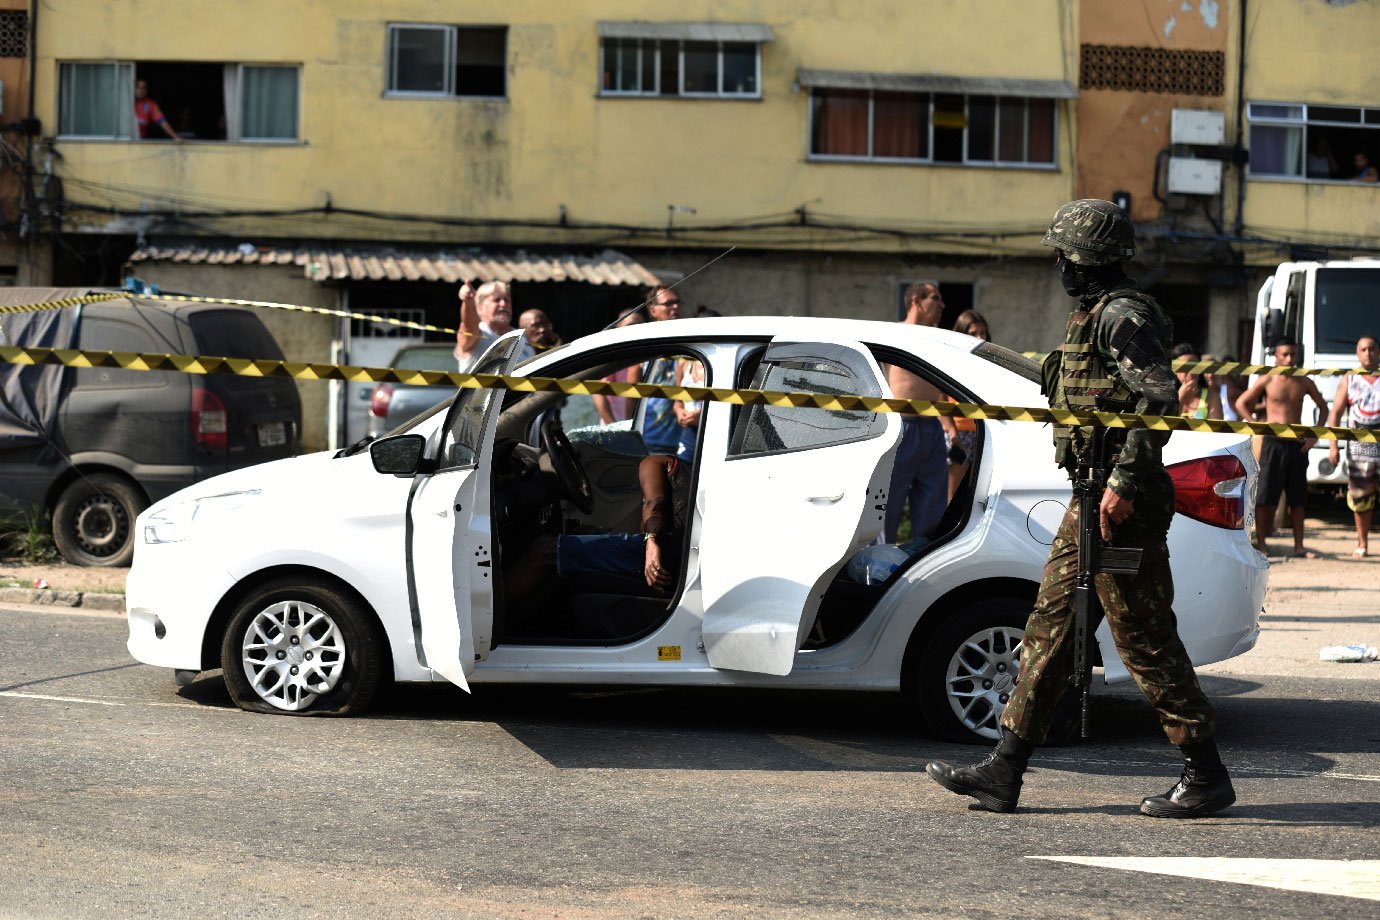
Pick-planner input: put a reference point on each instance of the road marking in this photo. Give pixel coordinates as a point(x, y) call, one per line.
point(1347, 878)
point(58, 699)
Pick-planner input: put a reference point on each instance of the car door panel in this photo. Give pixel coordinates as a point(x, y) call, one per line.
point(801, 490)
point(450, 552)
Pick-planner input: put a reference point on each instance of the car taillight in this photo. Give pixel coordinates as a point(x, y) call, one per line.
point(378, 403)
point(1211, 490)
point(210, 425)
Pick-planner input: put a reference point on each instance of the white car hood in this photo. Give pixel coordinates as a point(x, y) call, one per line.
point(290, 476)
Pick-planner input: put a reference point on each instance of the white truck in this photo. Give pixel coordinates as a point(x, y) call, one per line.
point(1325, 307)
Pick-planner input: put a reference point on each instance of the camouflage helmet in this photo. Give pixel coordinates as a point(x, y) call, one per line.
point(1091, 231)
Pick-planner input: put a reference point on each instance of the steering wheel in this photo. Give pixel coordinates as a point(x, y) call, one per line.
point(566, 464)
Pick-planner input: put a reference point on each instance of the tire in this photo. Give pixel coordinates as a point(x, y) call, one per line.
point(980, 641)
point(302, 648)
point(988, 634)
point(93, 520)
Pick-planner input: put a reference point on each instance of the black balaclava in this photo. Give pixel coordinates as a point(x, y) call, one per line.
point(1088, 282)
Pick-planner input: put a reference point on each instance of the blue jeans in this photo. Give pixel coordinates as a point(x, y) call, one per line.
point(920, 477)
point(623, 553)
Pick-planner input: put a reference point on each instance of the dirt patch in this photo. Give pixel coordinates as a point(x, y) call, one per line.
point(61, 576)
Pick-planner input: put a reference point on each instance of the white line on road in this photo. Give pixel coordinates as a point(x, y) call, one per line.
point(1347, 878)
point(57, 699)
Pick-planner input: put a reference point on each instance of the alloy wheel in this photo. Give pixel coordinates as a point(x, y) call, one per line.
point(981, 676)
point(293, 652)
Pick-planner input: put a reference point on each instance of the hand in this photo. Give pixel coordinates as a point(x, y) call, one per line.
point(1334, 454)
point(657, 577)
point(1114, 510)
point(688, 418)
point(466, 294)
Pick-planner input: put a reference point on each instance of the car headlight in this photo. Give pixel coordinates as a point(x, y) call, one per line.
point(176, 522)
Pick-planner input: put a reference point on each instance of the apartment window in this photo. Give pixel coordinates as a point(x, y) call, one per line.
point(973, 129)
point(1314, 143)
point(652, 67)
point(441, 60)
point(233, 102)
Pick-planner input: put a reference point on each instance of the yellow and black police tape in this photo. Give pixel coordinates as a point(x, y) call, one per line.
point(297, 370)
point(66, 302)
point(1227, 368)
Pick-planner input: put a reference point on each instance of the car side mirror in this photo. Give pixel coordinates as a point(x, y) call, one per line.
point(400, 455)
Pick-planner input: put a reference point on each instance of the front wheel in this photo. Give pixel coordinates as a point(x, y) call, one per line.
point(302, 649)
point(93, 520)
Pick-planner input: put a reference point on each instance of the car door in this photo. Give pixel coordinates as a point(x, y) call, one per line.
point(800, 491)
point(450, 533)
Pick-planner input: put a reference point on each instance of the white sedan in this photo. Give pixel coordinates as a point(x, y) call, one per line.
point(422, 556)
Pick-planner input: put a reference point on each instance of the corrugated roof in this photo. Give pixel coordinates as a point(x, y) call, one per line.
point(365, 264)
point(936, 83)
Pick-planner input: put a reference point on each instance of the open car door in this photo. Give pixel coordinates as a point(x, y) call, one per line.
point(450, 531)
point(800, 491)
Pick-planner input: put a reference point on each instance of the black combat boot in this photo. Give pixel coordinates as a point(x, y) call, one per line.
point(1204, 789)
point(996, 782)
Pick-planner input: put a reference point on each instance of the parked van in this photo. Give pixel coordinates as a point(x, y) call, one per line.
point(1325, 307)
point(95, 446)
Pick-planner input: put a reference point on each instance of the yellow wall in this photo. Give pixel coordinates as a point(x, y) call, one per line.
point(554, 141)
point(1120, 131)
point(1313, 53)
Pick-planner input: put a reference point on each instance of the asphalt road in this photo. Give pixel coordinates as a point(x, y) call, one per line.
point(121, 796)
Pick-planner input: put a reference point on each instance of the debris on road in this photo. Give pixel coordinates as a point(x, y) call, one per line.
point(1348, 653)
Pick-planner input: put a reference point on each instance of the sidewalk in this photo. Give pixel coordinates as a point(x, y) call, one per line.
point(67, 585)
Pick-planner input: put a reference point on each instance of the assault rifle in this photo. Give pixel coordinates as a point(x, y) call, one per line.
point(1094, 557)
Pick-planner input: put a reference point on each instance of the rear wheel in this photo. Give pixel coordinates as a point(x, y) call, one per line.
point(969, 668)
point(302, 649)
point(93, 520)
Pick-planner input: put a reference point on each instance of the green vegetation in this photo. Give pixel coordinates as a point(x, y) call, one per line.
point(26, 536)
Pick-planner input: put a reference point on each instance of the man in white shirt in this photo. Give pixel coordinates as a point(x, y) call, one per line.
point(485, 315)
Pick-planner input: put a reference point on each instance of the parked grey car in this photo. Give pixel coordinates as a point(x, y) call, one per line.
point(394, 403)
point(94, 447)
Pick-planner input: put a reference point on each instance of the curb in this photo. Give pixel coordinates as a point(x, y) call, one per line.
point(90, 600)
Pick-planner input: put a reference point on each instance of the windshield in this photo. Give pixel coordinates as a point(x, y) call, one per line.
point(1345, 307)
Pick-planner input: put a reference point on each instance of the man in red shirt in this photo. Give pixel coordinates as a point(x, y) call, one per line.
point(147, 113)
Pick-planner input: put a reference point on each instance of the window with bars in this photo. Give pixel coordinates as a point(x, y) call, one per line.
point(890, 126)
point(1315, 143)
point(669, 67)
point(447, 60)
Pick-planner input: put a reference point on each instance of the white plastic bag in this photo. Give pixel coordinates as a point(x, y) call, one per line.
point(873, 564)
point(1348, 653)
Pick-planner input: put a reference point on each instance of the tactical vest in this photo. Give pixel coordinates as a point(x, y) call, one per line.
point(1079, 377)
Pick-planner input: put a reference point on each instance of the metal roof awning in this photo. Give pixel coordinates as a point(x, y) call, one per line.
point(387, 264)
point(936, 83)
point(688, 31)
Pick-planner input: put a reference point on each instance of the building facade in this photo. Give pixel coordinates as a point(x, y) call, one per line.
point(846, 150)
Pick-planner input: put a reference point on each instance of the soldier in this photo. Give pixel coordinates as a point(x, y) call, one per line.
point(1114, 360)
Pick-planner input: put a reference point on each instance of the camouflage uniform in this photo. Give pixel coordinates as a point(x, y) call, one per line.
point(1114, 359)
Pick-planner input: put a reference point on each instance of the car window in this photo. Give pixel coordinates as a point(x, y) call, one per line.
point(462, 439)
point(778, 429)
point(1011, 360)
point(428, 358)
point(102, 334)
point(234, 334)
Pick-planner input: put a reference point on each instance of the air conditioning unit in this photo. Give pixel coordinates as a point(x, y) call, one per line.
point(1197, 126)
point(1188, 176)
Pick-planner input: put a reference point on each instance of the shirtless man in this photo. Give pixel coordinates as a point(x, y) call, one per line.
point(1283, 461)
point(1361, 394)
point(921, 473)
